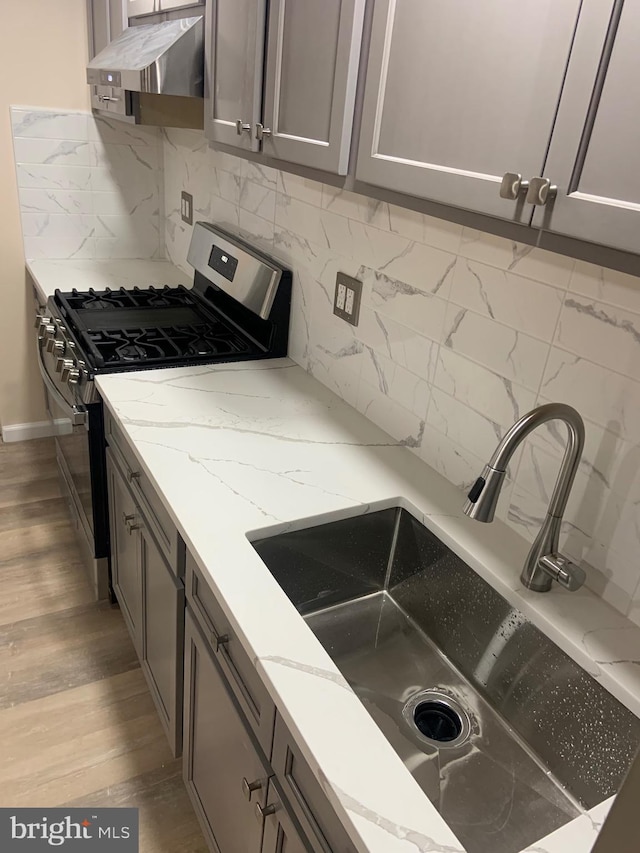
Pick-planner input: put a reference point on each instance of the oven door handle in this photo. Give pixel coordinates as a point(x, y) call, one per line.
point(77, 414)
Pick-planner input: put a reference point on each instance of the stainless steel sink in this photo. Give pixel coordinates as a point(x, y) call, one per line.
point(506, 735)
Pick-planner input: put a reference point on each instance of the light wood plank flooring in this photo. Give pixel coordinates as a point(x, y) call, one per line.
point(77, 724)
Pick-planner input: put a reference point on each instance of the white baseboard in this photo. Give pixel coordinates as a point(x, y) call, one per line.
point(25, 432)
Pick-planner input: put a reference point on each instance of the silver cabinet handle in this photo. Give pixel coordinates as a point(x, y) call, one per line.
point(540, 191)
point(221, 640)
point(261, 812)
point(262, 131)
point(241, 127)
point(249, 787)
point(128, 521)
point(512, 185)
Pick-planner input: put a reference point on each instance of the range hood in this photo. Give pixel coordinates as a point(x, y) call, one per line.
point(152, 74)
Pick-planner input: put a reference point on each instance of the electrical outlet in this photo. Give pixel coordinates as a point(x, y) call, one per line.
point(346, 301)
point(186, 207)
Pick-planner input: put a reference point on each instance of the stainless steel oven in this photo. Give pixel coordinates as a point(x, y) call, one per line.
point(78, 428)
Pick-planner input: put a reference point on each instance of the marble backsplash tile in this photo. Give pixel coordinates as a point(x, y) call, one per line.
point(461, 333)
point(88, 187)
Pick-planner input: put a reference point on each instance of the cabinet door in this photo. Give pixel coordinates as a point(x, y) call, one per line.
point(221, 762)
point(125, 565)
point(165, 5)
point(162, 652)
point(280, 833)
point(234, 47)
point(142, 7)
point(594, 156)
point(311, 73)
point(459, 93)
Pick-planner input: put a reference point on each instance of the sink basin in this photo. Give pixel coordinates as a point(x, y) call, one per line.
point(507, 736)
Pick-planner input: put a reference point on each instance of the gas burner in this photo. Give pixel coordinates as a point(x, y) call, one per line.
point(131, 352)
point(97, 303)
point(202, 347)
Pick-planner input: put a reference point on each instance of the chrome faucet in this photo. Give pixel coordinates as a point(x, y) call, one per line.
point(544, 563)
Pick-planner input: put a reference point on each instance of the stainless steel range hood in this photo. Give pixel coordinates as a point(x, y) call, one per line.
point(152, 74)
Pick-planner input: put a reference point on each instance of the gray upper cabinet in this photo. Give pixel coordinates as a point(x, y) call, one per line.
point(594, 156)
point(106, 19)
point(233, 73)
point(457, 94)
point(301, 109)
point(313, 51)
point(142, 7)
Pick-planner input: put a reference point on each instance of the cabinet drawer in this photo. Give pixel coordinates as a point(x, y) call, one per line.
point(306, 799)
point(236, 664)
point(144, 493)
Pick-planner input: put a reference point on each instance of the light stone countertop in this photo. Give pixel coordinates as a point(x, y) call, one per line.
point(83, 274)
point(257, 446)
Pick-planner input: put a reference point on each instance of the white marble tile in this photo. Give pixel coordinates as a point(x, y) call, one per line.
point(403, 425)
point(256, 230)
point(226, 185)
point(398, 384)
point(503, 350)
point(258, 199)
point(304, 189)
point(180, 139)
point(177, 236)
point(109, 131)
point(519, 303)
point(409, 305)
point(609, 399)
point(49, 124)
point(52, 152)
point(527, 261)
point(55, 201)
point(54, 177)
point(464, 426)
point(369, 211)
point(225, 214)
point(117, 157)
point(456, 463)
point(62, 240)
point(399, 343)
point(225, 162)
point(604, 334)
point(259, 174)
point(425, 229)
point(600, 284)
point(118, 204)
point(490, 394)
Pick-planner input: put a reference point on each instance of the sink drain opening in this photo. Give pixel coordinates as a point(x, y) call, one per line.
point(437, 719)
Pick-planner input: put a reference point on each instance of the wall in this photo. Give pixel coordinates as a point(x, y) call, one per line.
point(460, 333)
point(42, 58)
point(88, 187)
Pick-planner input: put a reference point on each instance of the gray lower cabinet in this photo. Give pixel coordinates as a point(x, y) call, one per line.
point(250, 785)
point(224, 773)
point(151, 597)
point(458, 93)
point(594, 156)
point(310, 52)
point(280, 833)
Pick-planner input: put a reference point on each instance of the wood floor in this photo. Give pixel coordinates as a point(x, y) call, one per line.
point(77, 724)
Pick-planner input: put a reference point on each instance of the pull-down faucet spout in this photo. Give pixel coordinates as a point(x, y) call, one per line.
point(544, 563)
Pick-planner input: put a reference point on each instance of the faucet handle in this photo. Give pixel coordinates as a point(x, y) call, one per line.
point(561, 569)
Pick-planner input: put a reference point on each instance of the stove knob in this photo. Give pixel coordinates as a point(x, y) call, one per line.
point(47, 330)
point(41, 320)
point(68, 367)
point(63, 364)
point(55, 346)
point(74, 376)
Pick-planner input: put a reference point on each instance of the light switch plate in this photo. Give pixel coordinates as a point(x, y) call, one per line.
point(186, 207)
point(347, 297)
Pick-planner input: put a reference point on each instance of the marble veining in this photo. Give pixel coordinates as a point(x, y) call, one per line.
point(272, 446)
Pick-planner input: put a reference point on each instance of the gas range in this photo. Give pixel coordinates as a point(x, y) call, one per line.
point(236, 310)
